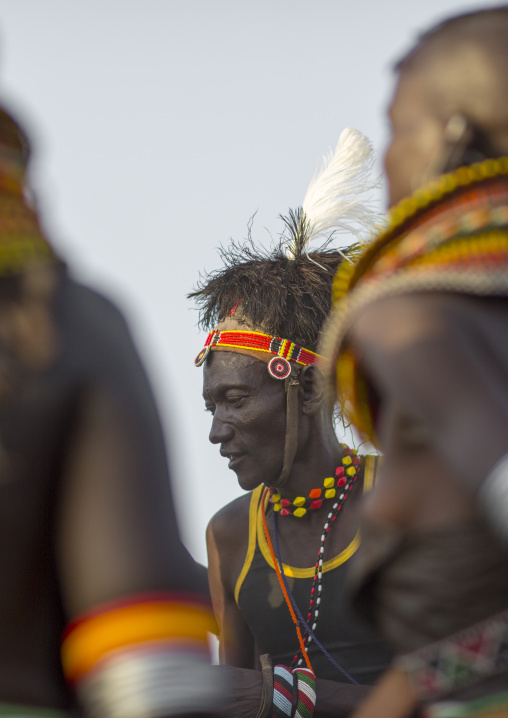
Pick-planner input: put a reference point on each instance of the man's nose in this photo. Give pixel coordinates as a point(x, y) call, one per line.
point(220, 431)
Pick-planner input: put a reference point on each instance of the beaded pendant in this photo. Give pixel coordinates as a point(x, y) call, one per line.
point(299, 507)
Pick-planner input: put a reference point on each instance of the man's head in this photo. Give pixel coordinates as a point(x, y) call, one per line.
point(268, 294)
point(450, 106)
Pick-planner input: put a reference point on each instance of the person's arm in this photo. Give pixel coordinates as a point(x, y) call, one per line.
point(236, 643)
point(333, 700)
point(138, 616)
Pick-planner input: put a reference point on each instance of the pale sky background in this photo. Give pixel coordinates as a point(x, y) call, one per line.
point(161, 126)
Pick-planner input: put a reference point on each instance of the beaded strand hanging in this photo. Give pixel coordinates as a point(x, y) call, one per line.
point(353, 465)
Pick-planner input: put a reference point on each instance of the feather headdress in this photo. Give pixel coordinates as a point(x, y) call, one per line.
point(286, 290)
point(336, 197)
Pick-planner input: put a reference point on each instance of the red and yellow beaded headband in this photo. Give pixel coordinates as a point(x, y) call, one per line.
point(276, 352)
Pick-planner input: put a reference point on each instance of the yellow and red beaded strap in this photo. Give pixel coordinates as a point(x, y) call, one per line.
point(170, 621)
point(266, 344)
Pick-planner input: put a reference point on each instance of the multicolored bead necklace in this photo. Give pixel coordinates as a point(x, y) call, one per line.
point(317, 581)
point(352, 469)
point(301, 505)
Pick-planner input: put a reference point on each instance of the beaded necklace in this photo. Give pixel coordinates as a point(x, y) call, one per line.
point(353, 467)
point(299, 506)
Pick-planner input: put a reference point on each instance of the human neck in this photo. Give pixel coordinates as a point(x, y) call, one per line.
point(311, 467)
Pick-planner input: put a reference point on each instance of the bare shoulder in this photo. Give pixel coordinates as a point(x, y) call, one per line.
point(231, 523)
point(227, 536)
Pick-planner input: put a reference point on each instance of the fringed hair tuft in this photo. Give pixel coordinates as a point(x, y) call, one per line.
point(289, 298)
point(286, 290)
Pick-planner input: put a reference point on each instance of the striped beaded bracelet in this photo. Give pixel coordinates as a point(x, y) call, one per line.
point(306, 699)
point(294, 692)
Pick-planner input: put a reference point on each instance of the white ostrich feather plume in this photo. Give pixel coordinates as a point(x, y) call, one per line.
point(336, 197)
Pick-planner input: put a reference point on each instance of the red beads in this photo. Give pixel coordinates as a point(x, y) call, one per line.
point(345, 475)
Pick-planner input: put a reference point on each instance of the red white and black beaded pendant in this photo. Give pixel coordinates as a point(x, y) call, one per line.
point(279, 368)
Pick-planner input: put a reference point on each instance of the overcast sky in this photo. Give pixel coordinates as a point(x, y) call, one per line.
point(162, 126)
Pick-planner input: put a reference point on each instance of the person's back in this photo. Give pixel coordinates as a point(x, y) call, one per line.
point(89, 547)
point(418, 350)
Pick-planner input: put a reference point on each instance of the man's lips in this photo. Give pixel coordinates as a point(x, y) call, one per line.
point(234, 457)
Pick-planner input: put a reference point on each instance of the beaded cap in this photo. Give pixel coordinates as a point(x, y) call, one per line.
point(451, 236)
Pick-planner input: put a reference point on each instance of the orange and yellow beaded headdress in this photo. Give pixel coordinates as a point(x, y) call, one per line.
point(449, 236)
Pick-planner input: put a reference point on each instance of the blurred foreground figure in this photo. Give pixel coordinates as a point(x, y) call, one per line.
point(418, 350)
point(280, 554)
point(89, 547)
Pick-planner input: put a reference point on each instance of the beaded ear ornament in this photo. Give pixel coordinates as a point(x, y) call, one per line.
point(344, 475)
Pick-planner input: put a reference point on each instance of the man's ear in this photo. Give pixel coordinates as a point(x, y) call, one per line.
point(311, 389)
point(463, 144)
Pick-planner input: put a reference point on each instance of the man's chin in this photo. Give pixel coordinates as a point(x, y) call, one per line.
point(250, 481)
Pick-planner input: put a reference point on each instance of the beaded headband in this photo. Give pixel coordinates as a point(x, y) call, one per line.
point(283, 350)
point(450, 236)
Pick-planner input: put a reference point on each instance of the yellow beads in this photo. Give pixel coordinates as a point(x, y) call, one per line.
point(275, 498)
point(330, 493)
point(351, 471)
point(277, 507)
point(299, 512)
point(329, 483)
point(347, 460)
point(299, 501)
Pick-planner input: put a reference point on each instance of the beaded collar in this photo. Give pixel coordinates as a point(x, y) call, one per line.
point(450, 236)
point(480, 184)
point(299, 506)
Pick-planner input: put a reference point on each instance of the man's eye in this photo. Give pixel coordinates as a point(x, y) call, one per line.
point(235, 401)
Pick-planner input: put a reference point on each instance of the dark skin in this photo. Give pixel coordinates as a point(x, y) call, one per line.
point(438, 363)
point(86, 511)
point(249, 409)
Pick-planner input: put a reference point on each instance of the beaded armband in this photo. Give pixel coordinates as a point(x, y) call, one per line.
point(463, 659)
point(146, 656)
